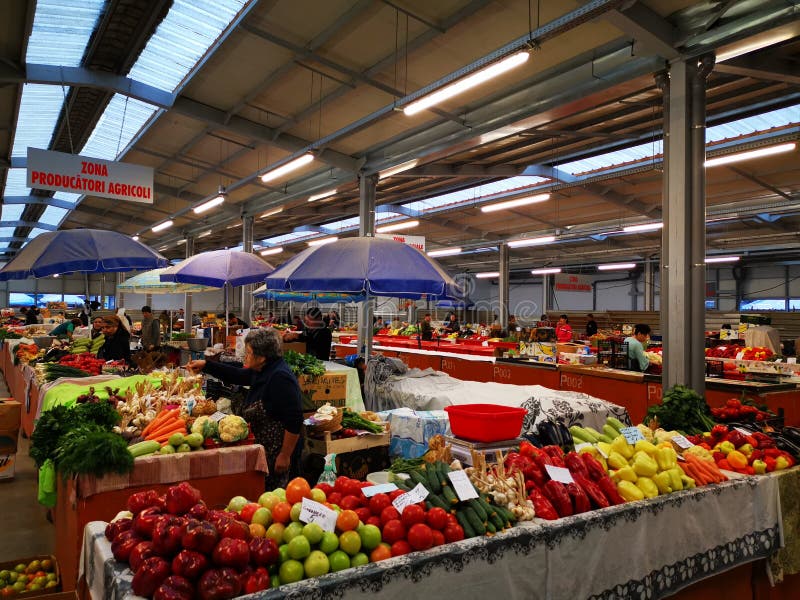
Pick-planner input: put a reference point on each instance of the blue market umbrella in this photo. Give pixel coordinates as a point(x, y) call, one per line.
point(150, 282)
point(364, 265)
point(465, 304)
point(81, 250)
point(321, 297)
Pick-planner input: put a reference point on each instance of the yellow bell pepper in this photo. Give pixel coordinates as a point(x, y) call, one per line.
point(645, 446)
point(675, 478)
point(604, 448)
point(663, 482)
point(626, 473)
point(688, 482)
point(666, 458)
point(616, 460)
point(629, 491)
point(736, 459)
point(643, 465)
point(621, 445)
point(648, 487)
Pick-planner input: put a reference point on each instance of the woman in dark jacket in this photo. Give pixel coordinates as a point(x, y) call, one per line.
point(273, 406)
point(118, 341)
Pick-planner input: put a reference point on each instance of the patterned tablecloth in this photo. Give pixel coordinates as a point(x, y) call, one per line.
point(646, 549)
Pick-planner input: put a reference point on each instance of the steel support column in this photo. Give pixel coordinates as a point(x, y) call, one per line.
point(367, 188)
point(247, 246)
point(502, 287)
point(649, 284)
point(187, 298)
point(545, 295)
point(683, 237)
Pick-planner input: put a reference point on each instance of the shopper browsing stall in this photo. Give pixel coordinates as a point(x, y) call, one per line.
point(66, 328)
point(273, 406)
point(316, 336)
point(97, 327)
point(637, 360)
point(117, 345)
point(151, 330)
point(591, 325)
point(563, 329)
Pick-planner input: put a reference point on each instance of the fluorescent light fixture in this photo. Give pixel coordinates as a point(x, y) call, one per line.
point(163, 248)
point(288, 167)
point(180, 242)
point(135, 238)
point(467, 83)
point(216, 201)
point(487, 275)
point(268, 251)
point(531, 241)
point(642, 227)
point(546, 271)
point(616, 267)
point(322, 195)
point(721, 259)
point(272, 213)
point(397, 226)
point(515, 203)
point(205, 233)
point(235, 225)
point(56, 275)
point(398, 169)
point(770, 150)
point(323, 241)
point(162, 226)
point(444, 252)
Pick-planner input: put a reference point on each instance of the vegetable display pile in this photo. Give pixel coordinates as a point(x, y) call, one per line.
point(682, 409)
point(6, 334)
point(352, 420)
point(736, 410)
point(304, 364)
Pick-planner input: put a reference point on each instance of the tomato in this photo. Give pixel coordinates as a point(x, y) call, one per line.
point(281, 512)
point(436, 518)
point(325, 487)
point(334, 497)
point(373, 520)
point(400, 547)
point(451, 520)
point(381, 552)
point(389, 513)
point(393, 531)
point(438, 537)
point(347, 520)
point(339, 484)
point(353, 488)
point(420, 536)
point(412, 514)
point(363, 513)
point(453, 533)
point(378, 502)
point(350, 502)
point(394, 494)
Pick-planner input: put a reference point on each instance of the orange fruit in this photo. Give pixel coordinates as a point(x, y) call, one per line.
point(258, 530)
point(297, 489)
point(347, 520)
point(381, 552)
point(281, 512)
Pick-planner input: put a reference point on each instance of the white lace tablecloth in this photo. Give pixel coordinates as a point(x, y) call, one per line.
point(646, 549)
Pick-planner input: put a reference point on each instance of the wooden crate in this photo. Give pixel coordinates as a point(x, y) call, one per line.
point(316, 391)
point(326, 445)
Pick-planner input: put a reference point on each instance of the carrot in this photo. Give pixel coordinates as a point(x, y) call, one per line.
point(695, 473)
point(173, 426)
point(160, 418)
point(711, 470)
point(166, 433)
point(168, 424)
point(165, 438)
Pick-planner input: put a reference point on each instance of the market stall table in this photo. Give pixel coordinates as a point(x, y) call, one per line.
point(214, 472)
point(651, 548)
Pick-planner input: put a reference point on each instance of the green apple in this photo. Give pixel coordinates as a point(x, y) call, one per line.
point(313, 532)
point(359, 559)
point(297, 507)
point(292, 530)
point(268, 500)
point(236, 504)
point(280, 493)
point(317, 495)
point(299, 548)
point(283, 553)
point(329, 542)
point(262, 516)
point(339, 560)
point(275, 532)
point(370, 537)
point(291, 571)
point(316, 564)
point(350, 542)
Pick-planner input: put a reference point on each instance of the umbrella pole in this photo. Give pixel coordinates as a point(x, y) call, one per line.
point(365, 328)
point(225, 344)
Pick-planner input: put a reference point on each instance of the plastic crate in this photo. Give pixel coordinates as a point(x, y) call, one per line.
point(485, 422)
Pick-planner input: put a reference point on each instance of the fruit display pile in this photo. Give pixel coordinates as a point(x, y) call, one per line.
point(750, 452)
point(34, 576)
point(747, 352)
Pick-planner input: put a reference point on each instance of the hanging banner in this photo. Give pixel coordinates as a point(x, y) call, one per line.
point(564, 282)
point(417, 241)
point(61, 172)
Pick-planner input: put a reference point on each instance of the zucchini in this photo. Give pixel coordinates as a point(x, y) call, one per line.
point(469, 532)
point(477, 524)
point(144, 448)
point(449, 495)
point(479, 510)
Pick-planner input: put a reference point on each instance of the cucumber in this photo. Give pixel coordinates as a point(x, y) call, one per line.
point(479, 510)
point(449, 495)
point(434, 485)
point(505, 514)
point(490, 528)
point(442, 473)
point(144, 448)
point(497, 521)
point(469, 532)
point(436, 500)
point(488, 508)
point(419, 477)
point(477, 525)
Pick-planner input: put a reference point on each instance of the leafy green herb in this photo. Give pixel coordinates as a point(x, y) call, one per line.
point(683, 409)
point(406, 465)
point(352, 420)
point(92, 450)
point(304, 364)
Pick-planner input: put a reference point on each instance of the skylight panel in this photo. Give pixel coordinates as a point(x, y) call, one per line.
point(12, 212)
point(121, 121)
point(36, 231)
point(38, 112)
point(287, 238)
point(182, 39)
point(15, 183)
point(6, 232)
point(61, 30)
point(67, 197)
point(612, 159)
point(475, 193)
point(53, 215)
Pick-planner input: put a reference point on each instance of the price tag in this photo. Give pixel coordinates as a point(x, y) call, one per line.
point(681, 442)
point(485, 344)
point(218, 416)
point(739, 355)
point(418, 494)
point(559, 474)
point(602, 453)
point(314, 512)
point(742, 431)
point(579, 447)
point(632, 434)
point(462, 485)
point(792, 360)
point(383, 488)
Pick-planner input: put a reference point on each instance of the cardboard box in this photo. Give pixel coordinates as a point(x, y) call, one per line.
point(49, 592)
point(7, 466)
point(355, 464)
point(10, 413)
point(331, 387)
point(295, 346)
point(569, 348)
point(8, 440)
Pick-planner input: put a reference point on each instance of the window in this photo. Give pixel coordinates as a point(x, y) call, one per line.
point(763, 304)
point(794, 303)
point(19, 299)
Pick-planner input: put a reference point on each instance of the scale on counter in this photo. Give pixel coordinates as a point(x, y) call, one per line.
point(462, 449)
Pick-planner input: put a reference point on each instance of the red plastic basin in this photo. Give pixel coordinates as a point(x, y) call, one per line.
point(485, 422)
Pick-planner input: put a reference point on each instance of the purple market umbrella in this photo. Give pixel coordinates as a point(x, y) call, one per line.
point(81, 250)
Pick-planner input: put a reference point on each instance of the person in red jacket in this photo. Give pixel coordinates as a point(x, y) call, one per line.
point(563, 329)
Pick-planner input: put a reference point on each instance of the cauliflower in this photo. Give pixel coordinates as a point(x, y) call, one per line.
point(233, 429)
point(205, 427)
